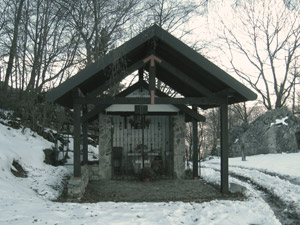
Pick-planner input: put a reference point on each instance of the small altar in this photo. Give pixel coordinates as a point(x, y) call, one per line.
point(137, 160)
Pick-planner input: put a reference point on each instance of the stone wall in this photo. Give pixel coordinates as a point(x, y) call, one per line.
point(179, 145)
point(94, 172)
point(105, 147)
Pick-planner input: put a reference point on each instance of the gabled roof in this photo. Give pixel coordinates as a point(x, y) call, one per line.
point(182, 68)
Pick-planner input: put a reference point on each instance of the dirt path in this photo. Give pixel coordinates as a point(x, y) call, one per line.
point(154, 191)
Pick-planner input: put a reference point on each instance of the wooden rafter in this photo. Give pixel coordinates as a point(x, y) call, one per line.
point(100, 106)
point(158, 100)
point(185, 78)
point(139, 64)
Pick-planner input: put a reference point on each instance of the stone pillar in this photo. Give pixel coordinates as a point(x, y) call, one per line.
point(105, 147)
point(179, 145)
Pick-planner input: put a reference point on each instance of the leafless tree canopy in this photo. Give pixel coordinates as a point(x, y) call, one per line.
point(44, 42)
point(262, 47)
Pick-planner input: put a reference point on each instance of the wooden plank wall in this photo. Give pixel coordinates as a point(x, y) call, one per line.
point(155, 137)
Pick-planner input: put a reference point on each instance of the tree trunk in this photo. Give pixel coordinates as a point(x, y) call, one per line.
point(13, 48)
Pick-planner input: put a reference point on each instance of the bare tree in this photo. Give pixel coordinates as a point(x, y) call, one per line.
point(99, 24)
point(242, 113)
point(37, 46)
point(211, 131)
point(190, 142)
point(50, 46)
point(172, 15)
point(261, 45)
point(16, 12)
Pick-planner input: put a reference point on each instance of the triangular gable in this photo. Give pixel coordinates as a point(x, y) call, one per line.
point(183, 69)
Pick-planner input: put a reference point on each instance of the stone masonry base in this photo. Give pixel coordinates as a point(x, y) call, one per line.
point(76, 186)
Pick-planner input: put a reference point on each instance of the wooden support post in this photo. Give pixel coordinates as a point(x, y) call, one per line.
point(76, 134)
point(195, 146)
point(224, 148)
point(85, 137)
point(152, 74)
point(171, 145)
point(141, 74)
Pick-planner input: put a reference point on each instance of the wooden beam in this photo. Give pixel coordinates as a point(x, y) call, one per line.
point(228, 92)
point(192, 113)
point(185, 78)
point(158, 100)
point(195, 146)
point(80, 93)
point(171, 145)
point(141, 74)
point(85, 137)
point(224, 149)
point(94, 112)
point(100, 107)
point(183, 108)
point(139, 64)
point(152, 75)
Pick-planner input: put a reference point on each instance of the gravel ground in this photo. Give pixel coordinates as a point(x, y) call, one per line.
point(153, 191)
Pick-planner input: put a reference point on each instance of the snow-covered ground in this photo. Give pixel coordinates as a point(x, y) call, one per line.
point(28, 200)
point(285, 164)
point(277, 173)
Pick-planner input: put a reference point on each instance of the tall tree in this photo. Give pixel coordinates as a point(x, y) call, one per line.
point(17, 12)
point(261, 42)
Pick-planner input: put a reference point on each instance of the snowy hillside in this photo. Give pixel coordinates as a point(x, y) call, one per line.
point(28, 200)
point(26, 148)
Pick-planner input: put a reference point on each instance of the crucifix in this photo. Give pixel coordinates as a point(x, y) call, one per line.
point(140, 111)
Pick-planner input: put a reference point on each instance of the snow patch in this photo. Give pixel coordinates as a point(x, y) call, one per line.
point(280, 122)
